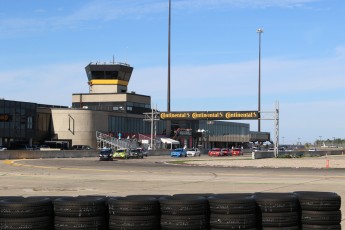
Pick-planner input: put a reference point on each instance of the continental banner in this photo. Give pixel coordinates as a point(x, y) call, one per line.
point(210, 115)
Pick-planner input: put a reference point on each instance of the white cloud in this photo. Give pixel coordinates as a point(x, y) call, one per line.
point(105, 10)
point(278, 77)
point(51, 84)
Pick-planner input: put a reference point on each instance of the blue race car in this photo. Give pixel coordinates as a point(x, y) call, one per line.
point(179, 152)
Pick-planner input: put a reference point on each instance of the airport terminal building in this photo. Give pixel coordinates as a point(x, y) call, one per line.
point(110, 109)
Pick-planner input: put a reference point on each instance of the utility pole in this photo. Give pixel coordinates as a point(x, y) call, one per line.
point(259, 31)
point(168, 122)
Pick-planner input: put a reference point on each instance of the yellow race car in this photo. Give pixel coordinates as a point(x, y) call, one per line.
point(121, 153)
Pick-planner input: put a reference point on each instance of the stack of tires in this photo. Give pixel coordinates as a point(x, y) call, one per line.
point(232, 211)
point(319, 210)
point(277, 211)
point(182, 212)
point(134, 213)
point(83, 212)
point(31, 213)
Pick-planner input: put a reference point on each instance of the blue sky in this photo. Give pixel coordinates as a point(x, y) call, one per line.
point(45, 46)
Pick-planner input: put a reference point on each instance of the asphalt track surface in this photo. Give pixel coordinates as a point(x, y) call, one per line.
point(154, 176)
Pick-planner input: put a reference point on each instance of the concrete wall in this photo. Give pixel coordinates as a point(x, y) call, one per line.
point(25, 154)
point(261, 155)
point(79, 125)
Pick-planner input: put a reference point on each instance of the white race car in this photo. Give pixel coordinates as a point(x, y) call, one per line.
point(193, 152)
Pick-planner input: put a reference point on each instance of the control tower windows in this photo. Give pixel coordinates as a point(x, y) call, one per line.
point(98, 74)
point(111, 74)
point(105, 75)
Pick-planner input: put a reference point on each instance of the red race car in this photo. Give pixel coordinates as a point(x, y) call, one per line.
point(215, 152)
point(236, 152)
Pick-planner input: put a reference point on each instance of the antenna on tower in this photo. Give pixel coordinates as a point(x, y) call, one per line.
point(126, 54)
point(113, 59)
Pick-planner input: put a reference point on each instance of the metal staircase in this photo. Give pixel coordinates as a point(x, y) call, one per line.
point(106, 141)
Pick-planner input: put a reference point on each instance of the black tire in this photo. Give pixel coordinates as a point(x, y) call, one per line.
point(232, 204)
point(276, 202)
point(82, 206)
point(26, 207)
point(318, 201)
point(84, 223)
point(134, 206)
point(31, 223)
point(134, 222)
point(321, 217)
point(233, 221)
point(280, 219)
point(184, 205)
point(190, 222)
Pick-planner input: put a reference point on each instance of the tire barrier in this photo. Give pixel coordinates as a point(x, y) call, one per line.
point(31, 213)
point(134, 212)
point(277, 210)
point(83, 212)
point(184, 212)
point(232, 211)
point(266, 211)
point(319, 210)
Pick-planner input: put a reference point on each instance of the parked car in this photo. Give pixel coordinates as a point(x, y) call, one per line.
point(236, 152)
point(2, 148)
point(144, 151)
point(106, 154)
point(179, 152)
point(193, 152)
point(121, 153)
point(135, 153)
point(215, 152)
point(225, 152)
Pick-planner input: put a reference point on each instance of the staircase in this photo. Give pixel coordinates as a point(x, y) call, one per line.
point(106, 141)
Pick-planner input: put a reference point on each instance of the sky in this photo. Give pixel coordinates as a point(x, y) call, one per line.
point(45, 46)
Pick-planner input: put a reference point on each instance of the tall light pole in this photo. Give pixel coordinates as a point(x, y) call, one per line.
point(169, 29)
point(259, 31)
point(168, 123)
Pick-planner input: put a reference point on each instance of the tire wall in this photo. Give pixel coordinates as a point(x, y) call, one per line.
point(295, 210)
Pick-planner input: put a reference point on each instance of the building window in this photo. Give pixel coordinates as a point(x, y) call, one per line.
point(29, 122)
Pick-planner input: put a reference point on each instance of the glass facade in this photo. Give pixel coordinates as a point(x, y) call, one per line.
point(24, 123)
point(17, 121)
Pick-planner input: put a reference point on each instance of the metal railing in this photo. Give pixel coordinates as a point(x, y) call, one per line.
point(106, 141)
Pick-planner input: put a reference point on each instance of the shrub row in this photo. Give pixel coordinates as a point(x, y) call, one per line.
point(268, 211)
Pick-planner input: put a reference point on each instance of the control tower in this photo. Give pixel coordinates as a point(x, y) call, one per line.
point(108, 90)
point(108, 78)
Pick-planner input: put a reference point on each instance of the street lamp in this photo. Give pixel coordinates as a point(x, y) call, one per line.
point(259, 31)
